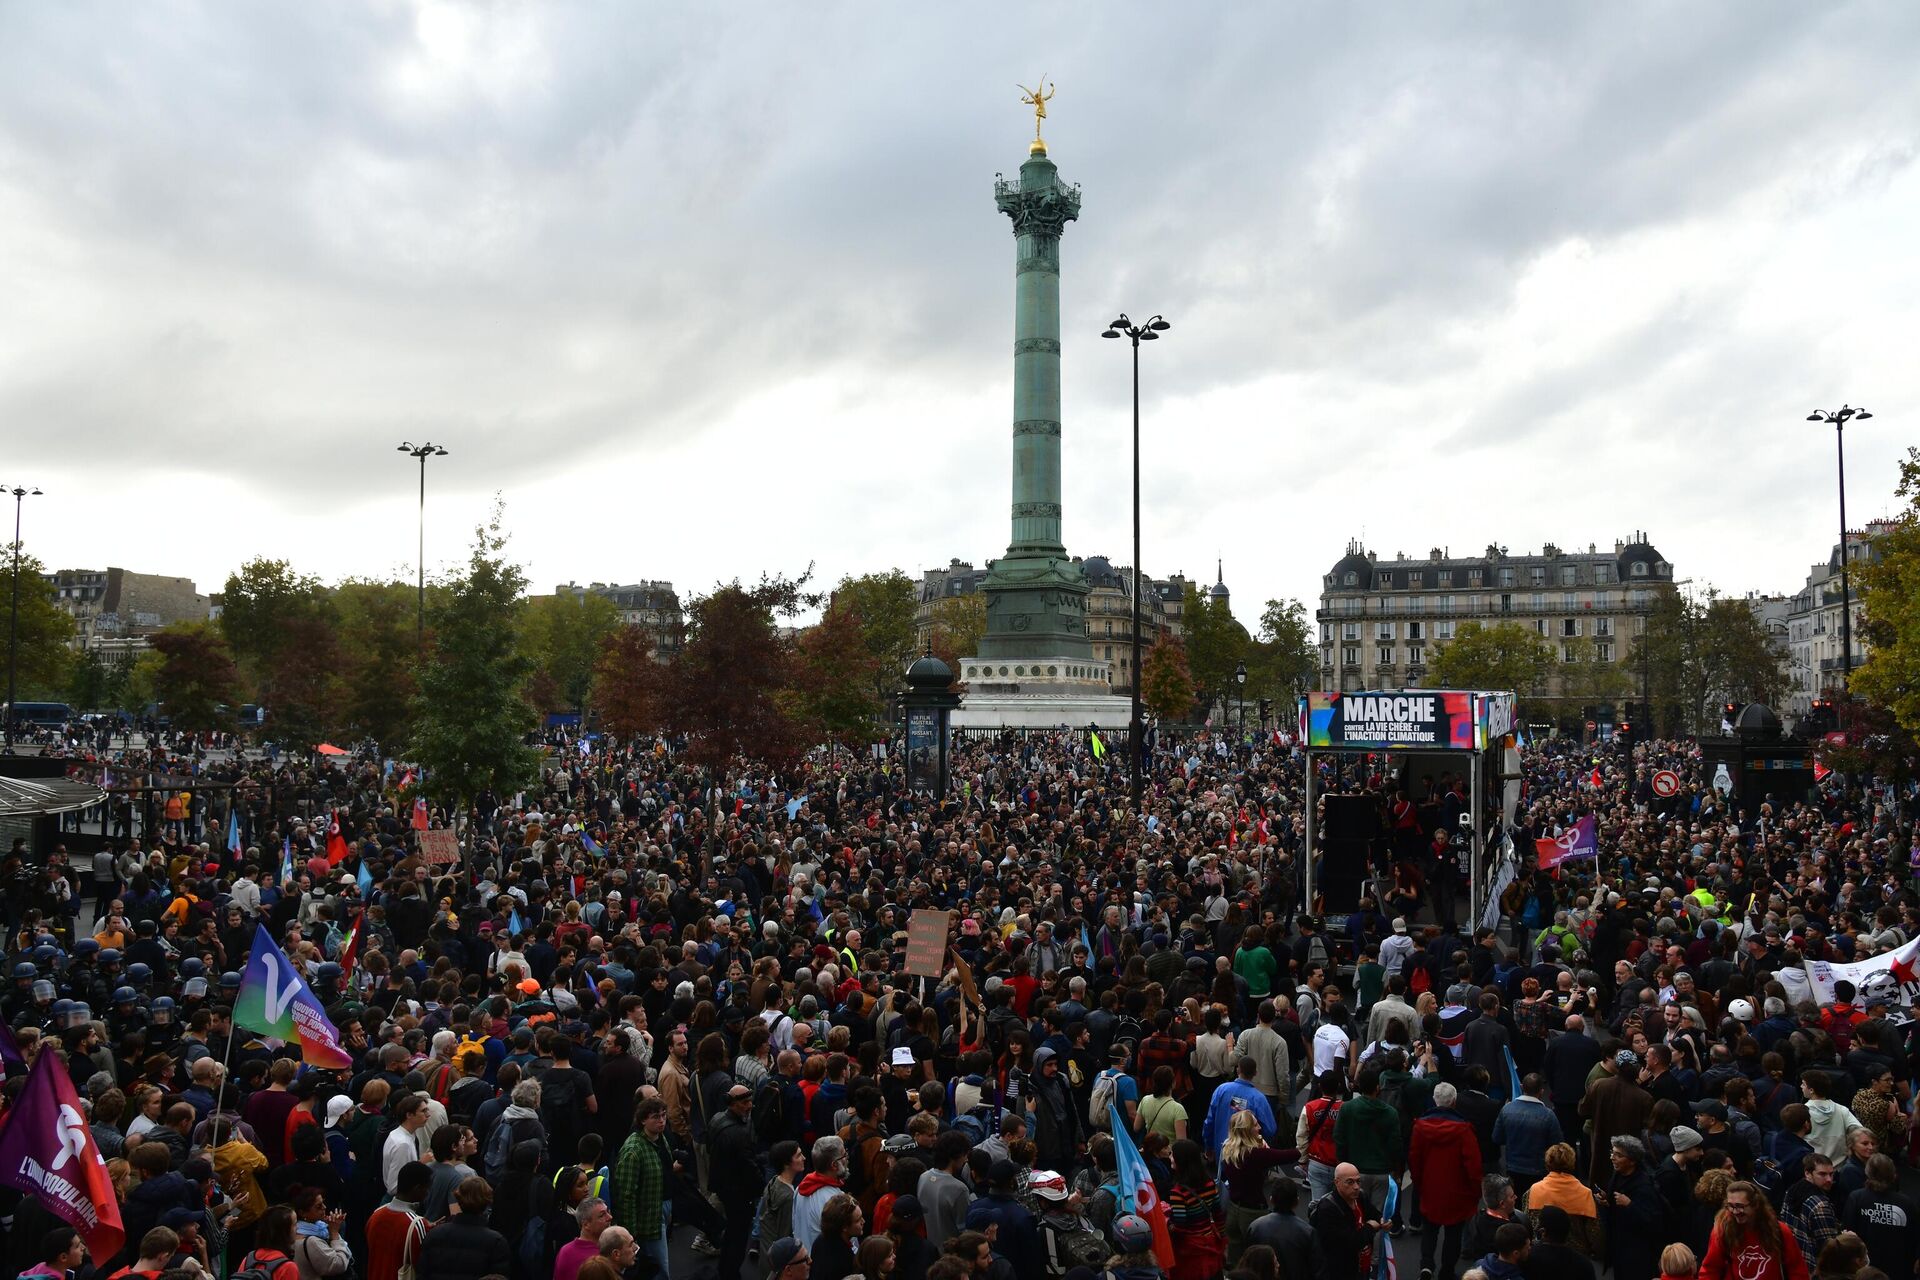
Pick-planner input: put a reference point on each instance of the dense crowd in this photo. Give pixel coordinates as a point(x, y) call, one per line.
point(656, 1012)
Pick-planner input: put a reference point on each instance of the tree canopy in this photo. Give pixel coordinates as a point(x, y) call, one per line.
point(1889, 585)
point(43, 630)
point(1505, 655)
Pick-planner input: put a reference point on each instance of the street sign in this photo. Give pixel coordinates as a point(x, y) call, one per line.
point(1666, 783)
point(439, 846)
point(927, 943)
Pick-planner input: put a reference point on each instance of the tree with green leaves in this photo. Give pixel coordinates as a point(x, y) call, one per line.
point(1216, 645)
point(1283, 660)
point(196, 682)
point(883, 605)
point(379, 655)
point(836, 677)
point(1889, 586)
point(1166, 686)
point(1699, 653)
point(43, 630)
point(302, 684)
point(1505, 655)
point(958, 625)
point(471, 717)
point(561, 636)
point(261, 607)
point(90, 682)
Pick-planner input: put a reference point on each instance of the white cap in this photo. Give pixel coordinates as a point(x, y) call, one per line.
point(903, 1057)
point(337, 1106)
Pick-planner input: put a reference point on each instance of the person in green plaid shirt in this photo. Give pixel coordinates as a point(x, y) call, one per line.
point(640, 1179)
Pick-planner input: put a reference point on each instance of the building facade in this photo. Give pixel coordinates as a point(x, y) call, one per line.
point(1381, 621)
point(115, 610)
point(1814, 655)
point(652, 606)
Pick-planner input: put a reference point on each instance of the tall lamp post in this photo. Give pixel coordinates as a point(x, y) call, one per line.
point(1839, 418)
point(1136, 744)
point(423, 452)
point(20, 495)
point(1240, 679)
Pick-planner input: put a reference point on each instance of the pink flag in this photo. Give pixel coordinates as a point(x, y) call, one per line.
point(47, 1151)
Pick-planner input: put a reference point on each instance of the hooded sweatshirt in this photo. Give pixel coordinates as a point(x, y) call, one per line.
point(1831, 1125)
point(809, 1199)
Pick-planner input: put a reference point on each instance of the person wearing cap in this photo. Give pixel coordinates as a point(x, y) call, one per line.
point(787, 1259)
point(1000, 1215)
point(1616, 1106)
point(1715, 1127)
point(1676, 1175)
point(734, 1176)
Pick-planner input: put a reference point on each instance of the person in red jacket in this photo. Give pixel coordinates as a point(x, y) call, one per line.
point(1747, 1242)
point(1444, 1161)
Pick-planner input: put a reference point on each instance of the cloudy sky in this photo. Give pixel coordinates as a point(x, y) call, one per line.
point(703, 290)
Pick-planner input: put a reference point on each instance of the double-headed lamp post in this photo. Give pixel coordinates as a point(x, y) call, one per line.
point(423, 452)
point(1240, 679)
point(1839, 418)
point(1136, 734)
point(20, 495)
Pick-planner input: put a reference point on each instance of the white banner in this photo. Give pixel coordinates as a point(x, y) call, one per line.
point(1814, 980)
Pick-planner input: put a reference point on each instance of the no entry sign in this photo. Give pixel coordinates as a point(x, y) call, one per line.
point(1666, 783)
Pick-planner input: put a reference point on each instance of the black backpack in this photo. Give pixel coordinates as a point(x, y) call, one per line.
point(769, 1116)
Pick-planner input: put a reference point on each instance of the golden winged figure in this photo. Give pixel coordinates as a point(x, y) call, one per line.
point(1037, 98)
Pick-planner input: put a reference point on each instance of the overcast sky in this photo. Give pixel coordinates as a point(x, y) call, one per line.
point(705, 290)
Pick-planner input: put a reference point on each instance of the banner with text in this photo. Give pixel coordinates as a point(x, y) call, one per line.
point(1440, 719)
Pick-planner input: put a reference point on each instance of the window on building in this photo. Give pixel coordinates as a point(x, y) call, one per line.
point(1537, 575)
point(1569, 574)
point(1540, 625)
point(1109, 627)
point(1349, 631)
point(1507, 578)
point(1445, 578)
point(1350, 655)
point(1443, 630)
point(1413, 631)
point(1352, 579)
point(1569, 626)
point(1416, 578)
point(1603, 626)
point(1415, 655)
point(1326, 632)
point(1603, 573)
point(1109, 653)
point(1473, 577)
point(1568, 654)
point(1383, 582)
point(1638, 569)
point(1383, 631)
point(1444, 604)
point(1661, 568)
point(1568, 600)
point(1604, 652)
point(1385, 656)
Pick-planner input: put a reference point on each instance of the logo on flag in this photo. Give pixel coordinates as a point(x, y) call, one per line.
point(420, 813)
point(47, 1151)
point(1581, 840)
point(1136, 1188)
point(275, 1001)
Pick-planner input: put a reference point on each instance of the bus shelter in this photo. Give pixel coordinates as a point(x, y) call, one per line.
point(1411, 733)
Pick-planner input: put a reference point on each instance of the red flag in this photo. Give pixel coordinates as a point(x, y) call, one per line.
point(336, 843)
point(420, 813)
point(47, 1151)
point(1820, 771)
point(1595, 780)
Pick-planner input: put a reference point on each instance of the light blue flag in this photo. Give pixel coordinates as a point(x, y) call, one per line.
point(793, 806)
point(365, 878)
point(588, 843)
point(1513, 1076)
point(1086, 942)
point(286, 860)
point(514, 927)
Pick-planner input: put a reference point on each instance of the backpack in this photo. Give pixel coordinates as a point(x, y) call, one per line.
point(500, 1144)
point(440, 1078)
point(253, 1267)
point(1075, 1248)
point(533, 1245)
point(769, 1115)
point(1099, 1106)
point(858, 1166)
point(1419, 980)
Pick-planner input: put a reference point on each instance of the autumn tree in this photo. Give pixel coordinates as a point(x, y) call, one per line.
point(561, 637)
point(1889, 586)
point(627, 683)
point(1216, 645)
point(301, 690)
point(1166, 686)
point(471, 718)
point(261, 606)
point(838, 677)
point(728, 687)
point(196, 682)
point(882, 605)
point(1505, 655)
point(39, 638)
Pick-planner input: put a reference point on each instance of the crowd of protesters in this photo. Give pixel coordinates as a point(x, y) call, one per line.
point(656, 1013)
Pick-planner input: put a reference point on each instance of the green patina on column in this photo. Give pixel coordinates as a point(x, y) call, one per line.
point(1036, 596)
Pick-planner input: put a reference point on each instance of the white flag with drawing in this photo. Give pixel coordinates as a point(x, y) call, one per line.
point(1897, 970)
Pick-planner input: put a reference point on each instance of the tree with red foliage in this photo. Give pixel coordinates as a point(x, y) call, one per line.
point(729, 687)
point(1166, 684)
point(837, 676)
point(197, 683)
point(627, 683)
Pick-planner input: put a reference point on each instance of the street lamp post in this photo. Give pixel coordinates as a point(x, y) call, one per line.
point(1240, 679)
point(422, 452)
point(1839, 418)
point(20, 495)
point(1136, 744)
